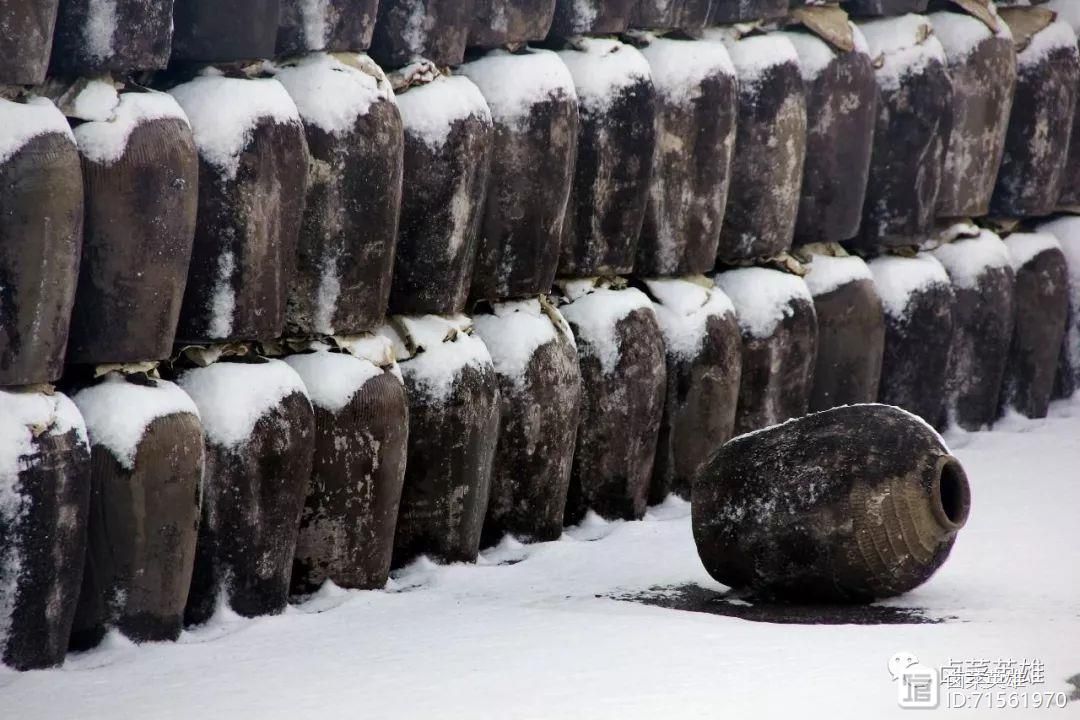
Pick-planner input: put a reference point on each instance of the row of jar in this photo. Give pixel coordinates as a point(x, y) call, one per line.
point(83, 37)
point(145, 504)
point(319, 195)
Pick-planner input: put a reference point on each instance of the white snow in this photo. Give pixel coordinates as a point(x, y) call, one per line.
point(859, 39)
point(683, 307)
point(328, 294)
point(22, 122)
point(417, 26)
point(762, 297)
point(104, 140)
point(429, 111)
point(376, 348)
point(224, 112)
point(966, 260)
point(544, 638)
point(99, 32)
point(897, 278)
point(223, 300)
point(513, 334)
point(814, 53)
point(602, 68)
point(118, 413)
point(960, 33)
point(331, 94)
point(24, 416)
point(584, 14)
point(444, 348)
point(754, 54)
point(314, 16)
point(332, 379)
point(1024, 247)
point(96, 101)
point(233, 396)
point(1067, 10)
point(679, 67)
point(1058, 34)
point(904, 45)
point(595, 313)
point(826, 273)
point(512, 83)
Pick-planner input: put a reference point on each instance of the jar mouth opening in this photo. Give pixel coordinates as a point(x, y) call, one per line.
point(951, 493)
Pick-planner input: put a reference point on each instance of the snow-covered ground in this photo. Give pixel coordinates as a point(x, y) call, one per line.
point(542, 638)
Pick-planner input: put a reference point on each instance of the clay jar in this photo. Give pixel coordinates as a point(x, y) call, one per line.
point(260, 438)
point(348, 235)
point(1042, 306)
point(253, 175)
point(846, 505)
point(147, 460)
point(624, 376)
point(448, 135)
point(533, 149)
point(851, 332)
point(841, 108)
point(917, 298)
point(26, 37)
point(982, 65)
point(332, 25)
point(209, 31)
point(695, 138)
point(45, 486)
point(615, 150)
point(914, 114)
point(121, 37)
point(141, 184)
point(41, 228)
point(767, 168)
point(361, 435)
point(703, 353)
point(435, 30)
point(536, 360)
point(779, 344)
point(453, 433)
point(983, 315)
point(1032, 171)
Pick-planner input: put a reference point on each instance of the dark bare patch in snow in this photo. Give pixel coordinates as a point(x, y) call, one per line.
point(694, 598)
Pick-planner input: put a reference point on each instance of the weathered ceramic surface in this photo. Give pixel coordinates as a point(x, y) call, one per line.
point(845, 505)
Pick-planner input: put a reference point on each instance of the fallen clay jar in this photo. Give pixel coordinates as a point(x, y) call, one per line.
point(847, 505)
